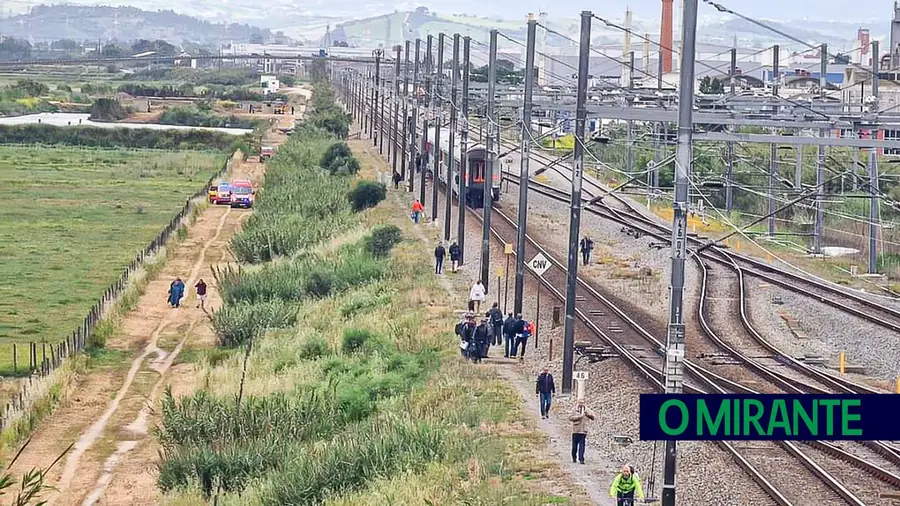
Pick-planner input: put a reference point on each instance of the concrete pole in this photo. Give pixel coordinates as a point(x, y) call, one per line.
point(379, 119)
point(425, 126)
point(524, 170)
point(629, 162)
point(873, 172)
point(438, 123)
point(773, 181)
point(584, 52)
point(684, 157)
point(488, 201)
point(454, 92)
point(820, 163)
point(798, 169)
point(463, 155)
point(396, 96)
point(729, 146)
point(729, 178)
point(414, 119)
point(382, 120)
point(775, 69)
point(732, 73)
point(404, 142)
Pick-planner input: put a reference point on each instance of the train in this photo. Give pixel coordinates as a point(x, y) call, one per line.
point(473, 177)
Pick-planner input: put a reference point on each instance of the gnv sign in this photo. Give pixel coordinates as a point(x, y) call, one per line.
point(539, 264)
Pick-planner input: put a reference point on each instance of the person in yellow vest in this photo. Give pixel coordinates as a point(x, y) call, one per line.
point(624, 487)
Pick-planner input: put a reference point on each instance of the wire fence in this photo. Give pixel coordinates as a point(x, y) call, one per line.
point(45, 358)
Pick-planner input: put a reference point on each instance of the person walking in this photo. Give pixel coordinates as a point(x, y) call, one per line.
point(524, 328)
point(476, 296)
point(587, 246)
point(417, 211)
point(466, 331)
point(201, 294)
point(176, 292)
point(496, 318)
point(439, 253)
point(545, 389)
point(481, 341)
point(509, 334)
point(579, 421)
point(396, 177)
point(455, 255)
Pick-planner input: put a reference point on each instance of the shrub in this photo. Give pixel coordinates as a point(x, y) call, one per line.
point(194, 116)
point(64, 87)
point(382, 240)
point(108, 109)
point(367, 194)
point(319, 283)
point(314, 347)
point(338, 159)
point(235, 324)
point(354, 339)
point(117, 137)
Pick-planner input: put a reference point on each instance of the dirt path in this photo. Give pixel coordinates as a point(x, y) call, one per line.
point(109, 416)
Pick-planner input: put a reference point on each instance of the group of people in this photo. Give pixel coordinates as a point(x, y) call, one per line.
point(176, 293)
point(440, 252)
point(476, 338)
point(626, 484)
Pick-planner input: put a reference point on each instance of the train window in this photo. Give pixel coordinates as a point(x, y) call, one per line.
point(478, 171)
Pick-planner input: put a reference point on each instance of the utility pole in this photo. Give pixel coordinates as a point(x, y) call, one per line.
point(414, 123)
point(683, 158)
point(379, 122)
point(487, 195)
point(404, 143)
point(873, 171)
point(524, 170)
point(773, 149)
point(820, 163)
point(439, 123)
point(454, 89)
point(396, 119)
point(584, 52)
point(381, 118)
point(729, 146)
point(463, 156)
point(437, 147)
point(629, 161)
point(773, 180)
point(798, 169)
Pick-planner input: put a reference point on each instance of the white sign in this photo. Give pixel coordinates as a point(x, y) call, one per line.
point(539, 264)
point(580, 376)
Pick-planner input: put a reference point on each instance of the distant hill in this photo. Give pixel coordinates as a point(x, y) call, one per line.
point(82, 23)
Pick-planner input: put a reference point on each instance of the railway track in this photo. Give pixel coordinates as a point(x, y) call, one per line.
point(641, 350)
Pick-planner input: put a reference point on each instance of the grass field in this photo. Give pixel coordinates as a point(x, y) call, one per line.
point(72, 220)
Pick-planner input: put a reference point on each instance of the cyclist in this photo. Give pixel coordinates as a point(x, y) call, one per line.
point(624, 487)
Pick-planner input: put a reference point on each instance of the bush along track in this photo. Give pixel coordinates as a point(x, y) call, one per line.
point(334, 380)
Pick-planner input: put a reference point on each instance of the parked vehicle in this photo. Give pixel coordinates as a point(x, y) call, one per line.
point(242, 193)
point(266, 152)
point(223, 194)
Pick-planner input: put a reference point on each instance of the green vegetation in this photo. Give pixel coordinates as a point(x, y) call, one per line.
point(225, 77)
point(301, 204)
point(25, 96)
point(193, 116)
point(352, 398)
point(366, 194)
point(140, 138)
point(108, 109)
point(326, 114)
point(72, 219)
point(338, 159)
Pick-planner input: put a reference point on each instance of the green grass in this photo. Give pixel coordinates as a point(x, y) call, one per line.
point(72, 220)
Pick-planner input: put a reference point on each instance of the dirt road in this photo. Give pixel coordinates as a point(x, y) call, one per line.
point(110, 415)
